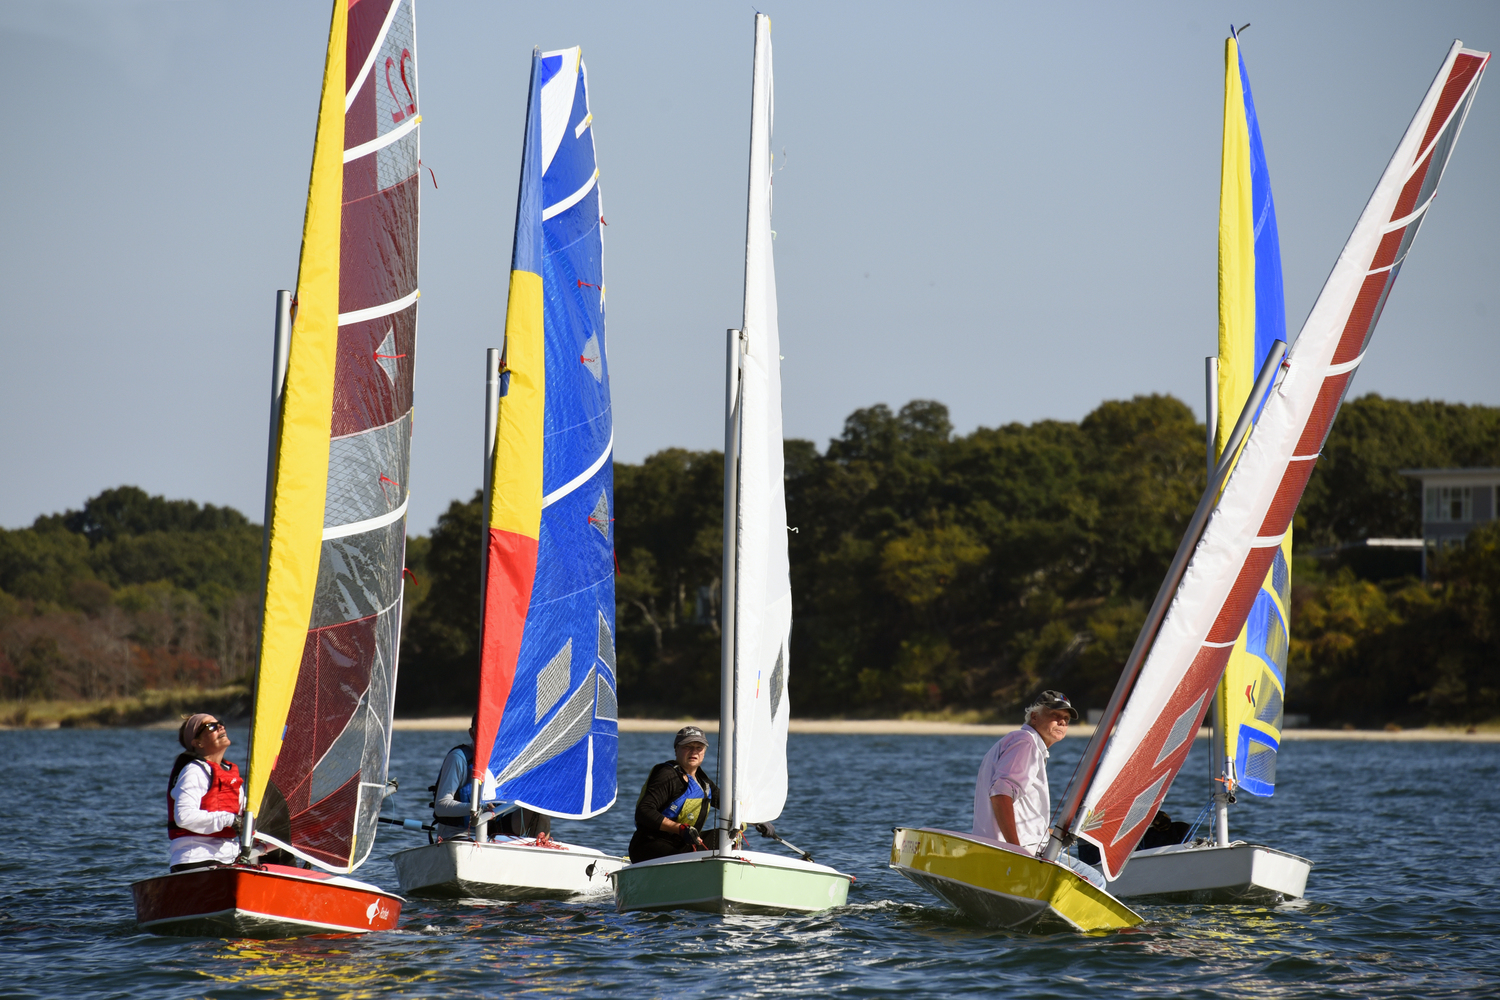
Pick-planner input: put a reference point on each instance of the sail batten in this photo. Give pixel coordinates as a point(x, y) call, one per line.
point(1226, 571)
point(331, 635)
point(548, 734)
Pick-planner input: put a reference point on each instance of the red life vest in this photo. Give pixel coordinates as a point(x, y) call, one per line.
point(223, 795)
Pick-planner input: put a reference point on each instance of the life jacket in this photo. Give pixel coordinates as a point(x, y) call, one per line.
point(691, 807)
point(465, 790)
point(223, 795)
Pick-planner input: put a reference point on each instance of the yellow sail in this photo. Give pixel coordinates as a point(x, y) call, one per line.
point(301, 473)
point(1252, 316)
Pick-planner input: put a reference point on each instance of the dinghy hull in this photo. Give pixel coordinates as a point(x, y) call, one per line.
point(508, 869)
point(739, 882)
point(269, 901)
point(1000, 885)
point(1239, 873)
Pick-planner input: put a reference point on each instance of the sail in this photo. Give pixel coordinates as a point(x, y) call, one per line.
point(548, 724)
point(763, 586)
point(331, 630)
point(1252, 317)
point(1245, 530)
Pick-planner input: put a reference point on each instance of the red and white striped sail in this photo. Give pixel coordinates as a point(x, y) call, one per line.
point(1176, 683)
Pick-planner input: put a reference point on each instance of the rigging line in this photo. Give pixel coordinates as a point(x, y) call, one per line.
point(370, 524)
point(364, 71)
point(380, 142)
point(376, 312)
point(582, 477)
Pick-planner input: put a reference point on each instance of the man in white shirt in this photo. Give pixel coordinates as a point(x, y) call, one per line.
point(1012, 802)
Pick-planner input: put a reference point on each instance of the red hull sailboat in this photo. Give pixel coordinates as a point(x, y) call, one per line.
point(262, 901)
point(336, 498)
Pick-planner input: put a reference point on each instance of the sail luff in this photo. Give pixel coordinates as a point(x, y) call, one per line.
point(513, 520)
point(1255, 509)
point(763, 596)
point(299, 494)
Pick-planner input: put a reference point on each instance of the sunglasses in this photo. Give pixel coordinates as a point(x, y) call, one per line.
point(209, 727)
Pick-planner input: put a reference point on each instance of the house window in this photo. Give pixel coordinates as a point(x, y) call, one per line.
point(1450, 503)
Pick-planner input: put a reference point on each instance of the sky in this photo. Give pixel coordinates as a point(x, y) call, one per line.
point(1010, 208)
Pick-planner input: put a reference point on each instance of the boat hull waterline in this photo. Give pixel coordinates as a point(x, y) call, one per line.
point(505, 870)
point(268, 901)
point(1239, 873)
point(1001, 885)
point(738, 882)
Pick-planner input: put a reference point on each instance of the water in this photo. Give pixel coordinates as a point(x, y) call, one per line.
point(1402, 900)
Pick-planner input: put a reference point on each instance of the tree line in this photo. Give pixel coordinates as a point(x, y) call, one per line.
point(931, 572)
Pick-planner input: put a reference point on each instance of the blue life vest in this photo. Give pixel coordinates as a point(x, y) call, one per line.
point(689, 807)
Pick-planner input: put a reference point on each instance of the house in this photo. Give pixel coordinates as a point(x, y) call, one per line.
point(1454, 501)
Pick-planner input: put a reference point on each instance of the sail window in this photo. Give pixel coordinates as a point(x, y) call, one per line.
point(605, 706)
point(591, 358)
point(552, 682)
point(1269, 709)
point(1141, 809)
point(1182, 730)
point(1281, 578)
point(600, 516)
point(606, 643)
point(778, 680)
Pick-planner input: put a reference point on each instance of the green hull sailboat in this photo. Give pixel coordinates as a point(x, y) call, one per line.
point(753, 704)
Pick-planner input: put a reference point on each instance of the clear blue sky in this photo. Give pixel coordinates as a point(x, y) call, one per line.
point(1011, 208)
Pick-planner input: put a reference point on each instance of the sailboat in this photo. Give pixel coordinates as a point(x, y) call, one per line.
point(336, 501)
point(548, 729)
point(1248, 705)
point(754, 706)
point(1230, 544)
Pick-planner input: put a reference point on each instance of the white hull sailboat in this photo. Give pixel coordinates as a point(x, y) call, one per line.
point(754, 707)
point(1211, 873)
point(1200, 611)
point(1251, 696)
point(512, 868)
point(547, 729)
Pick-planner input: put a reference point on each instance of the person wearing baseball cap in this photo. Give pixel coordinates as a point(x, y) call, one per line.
point(1012, 802)
point(674, 801)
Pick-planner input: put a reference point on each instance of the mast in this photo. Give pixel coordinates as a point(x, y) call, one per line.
point(1216, 727)
point(1061, 833)
point(280, 351)
point(491, 418)
point(728, 592)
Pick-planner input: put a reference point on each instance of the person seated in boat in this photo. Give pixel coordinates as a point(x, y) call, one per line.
point(451, 800)
point(205, 795)
point(1163, 832)
point(674, 801)
point(1012, 801)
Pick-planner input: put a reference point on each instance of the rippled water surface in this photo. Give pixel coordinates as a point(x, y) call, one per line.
point(1401, 903)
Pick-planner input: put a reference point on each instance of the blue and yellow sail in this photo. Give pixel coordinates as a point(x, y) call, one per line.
point(1252, 317)
point(548, 728)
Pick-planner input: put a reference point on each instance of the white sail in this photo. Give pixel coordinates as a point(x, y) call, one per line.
point(763, 586)
point(1171, 695)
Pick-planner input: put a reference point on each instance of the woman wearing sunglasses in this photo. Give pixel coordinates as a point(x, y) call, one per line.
point(205, 797)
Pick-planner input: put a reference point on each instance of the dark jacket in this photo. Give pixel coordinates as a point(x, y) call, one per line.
point(667, 783)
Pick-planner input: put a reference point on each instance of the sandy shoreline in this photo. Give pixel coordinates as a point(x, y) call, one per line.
point(916, 727)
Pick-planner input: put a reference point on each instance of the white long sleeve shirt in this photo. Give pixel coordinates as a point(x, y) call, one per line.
point(187, 796)
point(1015, 766)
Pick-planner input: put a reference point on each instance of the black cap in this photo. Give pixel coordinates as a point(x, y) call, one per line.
point(689, 734)
point(1051, 699)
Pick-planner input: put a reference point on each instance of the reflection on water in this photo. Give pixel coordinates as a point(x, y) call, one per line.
point(1392, 911)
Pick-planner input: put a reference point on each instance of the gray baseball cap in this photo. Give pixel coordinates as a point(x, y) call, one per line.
point(689, 734)
point(1051, 699)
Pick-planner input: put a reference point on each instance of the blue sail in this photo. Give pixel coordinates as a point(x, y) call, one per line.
point(558, 739)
